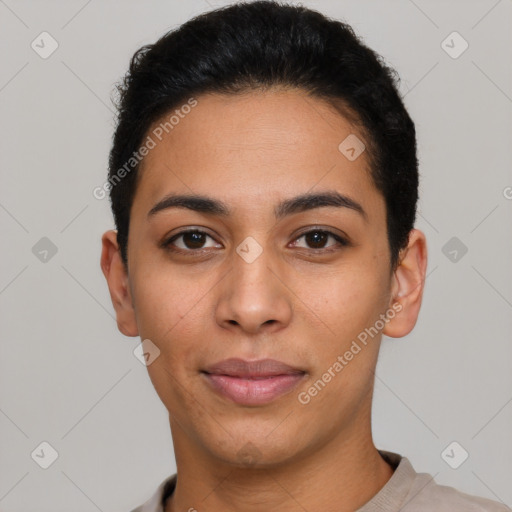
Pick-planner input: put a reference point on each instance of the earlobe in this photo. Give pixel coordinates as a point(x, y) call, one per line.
point(407, 286)
point(116, 275)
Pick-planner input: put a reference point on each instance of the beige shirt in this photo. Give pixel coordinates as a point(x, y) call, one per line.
point(405, 491)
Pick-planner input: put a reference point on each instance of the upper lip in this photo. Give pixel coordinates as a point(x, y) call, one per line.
point(237, 367)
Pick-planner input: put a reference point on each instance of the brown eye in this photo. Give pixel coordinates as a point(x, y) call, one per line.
point(191, 240)
point(194, 240)
point(317, 239)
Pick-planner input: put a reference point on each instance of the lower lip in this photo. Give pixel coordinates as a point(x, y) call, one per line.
point(253, 391)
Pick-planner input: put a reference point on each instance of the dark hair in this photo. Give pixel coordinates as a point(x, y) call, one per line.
point(266, 44)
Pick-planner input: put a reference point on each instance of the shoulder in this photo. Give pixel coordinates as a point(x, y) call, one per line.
point(409, 491)
point(426, 494)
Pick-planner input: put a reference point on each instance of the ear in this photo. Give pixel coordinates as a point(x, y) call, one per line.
point(116, 275)
point(407, 286)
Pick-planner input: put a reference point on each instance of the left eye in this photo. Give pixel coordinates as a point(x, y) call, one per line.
point(318, 238)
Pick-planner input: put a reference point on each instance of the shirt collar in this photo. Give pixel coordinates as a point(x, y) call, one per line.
point(390, 497)
point(394, 493)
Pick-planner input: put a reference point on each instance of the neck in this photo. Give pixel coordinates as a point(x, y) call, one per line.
point(341, 475)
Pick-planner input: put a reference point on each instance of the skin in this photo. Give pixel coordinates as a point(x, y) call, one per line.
point(252, 151)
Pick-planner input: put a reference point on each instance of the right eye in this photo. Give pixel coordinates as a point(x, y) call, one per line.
point(192, 240)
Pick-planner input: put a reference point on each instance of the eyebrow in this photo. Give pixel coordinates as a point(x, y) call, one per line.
point(298, 204)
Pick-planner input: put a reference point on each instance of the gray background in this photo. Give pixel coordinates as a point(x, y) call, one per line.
point(68, 377)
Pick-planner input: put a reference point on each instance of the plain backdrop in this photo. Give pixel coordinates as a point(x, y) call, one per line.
point(70, 379)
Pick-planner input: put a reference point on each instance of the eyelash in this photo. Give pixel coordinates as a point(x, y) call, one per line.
point(167, 244)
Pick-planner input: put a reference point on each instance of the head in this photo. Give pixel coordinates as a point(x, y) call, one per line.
point(280, 140)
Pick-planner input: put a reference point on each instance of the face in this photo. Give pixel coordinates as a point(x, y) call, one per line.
point(268, 272)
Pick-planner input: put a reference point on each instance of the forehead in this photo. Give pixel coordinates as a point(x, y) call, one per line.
point(252, 147)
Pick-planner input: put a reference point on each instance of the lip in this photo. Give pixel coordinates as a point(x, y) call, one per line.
point(252, 382)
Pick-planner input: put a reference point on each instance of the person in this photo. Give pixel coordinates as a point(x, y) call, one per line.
point(263, 179)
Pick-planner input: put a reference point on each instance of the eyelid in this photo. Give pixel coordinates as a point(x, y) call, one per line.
point(323, 229)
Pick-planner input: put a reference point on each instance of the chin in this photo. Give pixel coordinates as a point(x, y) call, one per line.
point(257, 452)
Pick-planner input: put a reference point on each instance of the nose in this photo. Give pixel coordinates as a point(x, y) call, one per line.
point(253, 297)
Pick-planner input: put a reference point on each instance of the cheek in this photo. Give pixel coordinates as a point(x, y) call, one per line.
point(345, 365)
point(175, 312)
point(166, 304)
point(174, 318)
point(348, 302)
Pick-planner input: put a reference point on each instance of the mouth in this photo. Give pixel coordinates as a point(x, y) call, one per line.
point(252, 382)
